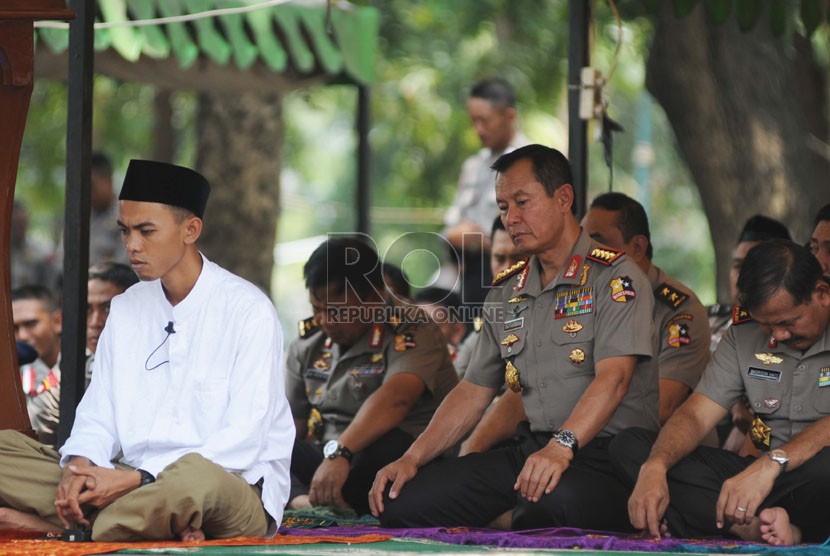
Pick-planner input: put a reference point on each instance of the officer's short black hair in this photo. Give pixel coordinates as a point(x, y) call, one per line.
point(823, 215)
point(550, 167)
point(496, 91)
point(36, 292)
point(762, 228)
point(438, 296)
point(118, 274)
point(341, 261)
point(775, 264)
point(100, 164)
point(631, 220)
point(396, 278)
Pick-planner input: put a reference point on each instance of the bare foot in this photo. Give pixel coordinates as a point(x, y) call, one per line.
point(776, 527)
point(14, 519)
point(300, 502)
point(192, 535)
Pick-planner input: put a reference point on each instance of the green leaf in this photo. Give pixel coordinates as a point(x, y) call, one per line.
point(747, 12)
point(810, 15)
point(719, 10)
point(778, 17)
point(682, 8)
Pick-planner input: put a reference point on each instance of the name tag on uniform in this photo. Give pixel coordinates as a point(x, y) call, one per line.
point(315, 374)
point(514, 324)
point(764, 374)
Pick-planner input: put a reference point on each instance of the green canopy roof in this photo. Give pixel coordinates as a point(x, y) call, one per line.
point(289, 38)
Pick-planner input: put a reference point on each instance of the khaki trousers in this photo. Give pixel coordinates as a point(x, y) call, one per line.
point(190, 492)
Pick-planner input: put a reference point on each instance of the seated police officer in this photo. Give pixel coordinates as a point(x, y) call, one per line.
point(363, 378)
point(571, 329)
point(777, 353)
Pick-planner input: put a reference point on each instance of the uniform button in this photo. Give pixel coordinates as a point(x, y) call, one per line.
point(510, 350)
point(540, 304)
point(538, 342)
point(797, 407)
point(543, 384)
point(801, 367)
point(757, 404)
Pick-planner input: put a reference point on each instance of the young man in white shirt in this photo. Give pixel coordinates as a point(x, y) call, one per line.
point(187, 389)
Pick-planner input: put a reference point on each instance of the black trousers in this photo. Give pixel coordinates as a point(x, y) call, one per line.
point(695, 483)
point(306, 457)
point(477, 488)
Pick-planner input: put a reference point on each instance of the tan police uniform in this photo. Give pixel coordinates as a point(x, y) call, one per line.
point(327, 384)
point(598, 307)
point(788, 391)
point(682, 329)
point(546, 340)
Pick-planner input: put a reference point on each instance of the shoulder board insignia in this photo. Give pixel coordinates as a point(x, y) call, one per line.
point(508, 272)
point(672, 297)
point(740, 315)
point(308, 327)
point(604, 255)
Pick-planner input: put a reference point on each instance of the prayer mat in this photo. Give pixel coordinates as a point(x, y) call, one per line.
point(326, 516)
point(568, 538)
point(26, 543)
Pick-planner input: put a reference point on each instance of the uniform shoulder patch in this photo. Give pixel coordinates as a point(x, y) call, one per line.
point(508, 272)
point(672, 297)
point(604, 255)
point(308, 327)
point(740, 315)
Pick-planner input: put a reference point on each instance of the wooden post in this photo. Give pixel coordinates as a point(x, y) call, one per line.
point(16, 80)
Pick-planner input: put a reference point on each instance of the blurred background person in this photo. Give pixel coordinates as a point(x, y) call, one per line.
point(105, 281)
point(445, 309)
point(491, 106)
point(820, 239)
point(38, 322)
point(104, 236)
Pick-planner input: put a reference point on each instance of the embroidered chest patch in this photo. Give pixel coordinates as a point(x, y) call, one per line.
point(579, 301)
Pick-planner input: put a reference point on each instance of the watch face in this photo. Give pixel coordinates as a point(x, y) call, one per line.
point(780, 456)
point(566, 438)
point(330, 449)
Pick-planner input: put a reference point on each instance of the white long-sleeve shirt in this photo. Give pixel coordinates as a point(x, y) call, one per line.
point(215, 386)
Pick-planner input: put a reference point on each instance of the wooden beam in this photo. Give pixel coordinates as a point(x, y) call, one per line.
point(16, 82)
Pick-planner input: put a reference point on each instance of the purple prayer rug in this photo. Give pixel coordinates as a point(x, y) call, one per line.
point(567, 538)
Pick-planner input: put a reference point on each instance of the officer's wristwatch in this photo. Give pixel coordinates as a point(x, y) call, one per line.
point(567, 439)
point(146, 478)
point(780, 457)
point(333, 448)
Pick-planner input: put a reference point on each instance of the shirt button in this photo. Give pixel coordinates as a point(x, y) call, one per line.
point(538, 342)
point(797, 407)
point(757, 404)
point(801, 367)
point(540, 304)
point(543, 384)
point(510, 350)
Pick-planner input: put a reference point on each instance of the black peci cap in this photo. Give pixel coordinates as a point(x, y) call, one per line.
point(149, 181)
